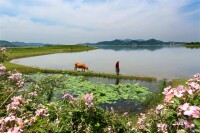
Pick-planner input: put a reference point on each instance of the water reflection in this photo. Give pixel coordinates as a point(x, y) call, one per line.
point(130, 48)
point(153, 86)
point(117, 81)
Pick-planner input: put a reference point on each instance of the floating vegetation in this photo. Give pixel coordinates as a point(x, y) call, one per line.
point(78, 86)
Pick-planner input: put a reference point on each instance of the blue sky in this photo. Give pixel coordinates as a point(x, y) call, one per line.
point(80, 21)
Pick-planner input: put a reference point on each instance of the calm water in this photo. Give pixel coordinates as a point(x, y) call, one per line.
point(157, 61)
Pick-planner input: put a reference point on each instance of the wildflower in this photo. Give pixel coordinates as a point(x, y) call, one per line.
point(2, 70)
point(3, 50)
point(166, 90)
point(68, 96)
point(141, 121)
point(33, 94)
point(159, 109)
point(17, 78)
point(110, 130)
point(185, 123)
point(132, 129)
point(42, 112)
point(179, 91)
point(17, 101)
point(193, 111)
point(14, 130)
point(80, 126)
point(194, 85)
point(129, 123)
point(162, 128)
point(197, 75)
point(125, 114)
point(89, 100)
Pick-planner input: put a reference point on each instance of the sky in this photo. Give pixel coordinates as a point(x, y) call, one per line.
point(81, 21)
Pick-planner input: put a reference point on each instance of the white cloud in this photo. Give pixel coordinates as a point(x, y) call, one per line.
point(78, 21)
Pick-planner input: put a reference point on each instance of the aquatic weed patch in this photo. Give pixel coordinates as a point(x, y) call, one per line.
point(103, 93)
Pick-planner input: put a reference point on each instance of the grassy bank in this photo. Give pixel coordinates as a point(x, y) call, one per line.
point(27, 69)
point(176, 82)
point(14, 53)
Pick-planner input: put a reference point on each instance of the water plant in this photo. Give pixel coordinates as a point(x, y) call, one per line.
point(78, 86)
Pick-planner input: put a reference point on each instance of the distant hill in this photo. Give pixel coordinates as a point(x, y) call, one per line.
point(130, 42)
point(31, 44)
point(4, 43)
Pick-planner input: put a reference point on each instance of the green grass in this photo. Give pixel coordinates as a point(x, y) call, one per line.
point(177, 82)
point(14, 53)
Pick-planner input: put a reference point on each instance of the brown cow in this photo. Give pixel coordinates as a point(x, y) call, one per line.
point(80, 65)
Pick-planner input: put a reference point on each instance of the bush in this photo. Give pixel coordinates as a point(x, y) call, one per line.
point(180, 111)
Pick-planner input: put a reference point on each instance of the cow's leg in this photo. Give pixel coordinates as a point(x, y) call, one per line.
point(75, 68)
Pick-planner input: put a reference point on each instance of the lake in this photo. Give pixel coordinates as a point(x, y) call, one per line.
point(155, 61)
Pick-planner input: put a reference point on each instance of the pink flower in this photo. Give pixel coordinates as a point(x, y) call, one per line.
point(185, 123)
point(141, 121)
point(15, 77)
point(33, 94)
point(162, 128)
point(68, 96)
point(197, 75)
point(89, 97)
point(179, 91)
point(2, 70)
point(15, 130)
point(20, 83)
point(129, 123)
point(192, 111)
point(41, 112)
point(159, 109)
point(166, 90)
point(185, 106)
point(17, 101)
point(194, 85)
point(168, 97)
point(89, 100)
point(3, 49)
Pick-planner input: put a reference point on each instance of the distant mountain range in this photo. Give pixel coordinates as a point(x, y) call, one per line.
point(4, 43)
point(125, 42)
point(129, 42)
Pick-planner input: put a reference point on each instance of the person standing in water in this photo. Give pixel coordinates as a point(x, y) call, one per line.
point(117, 67)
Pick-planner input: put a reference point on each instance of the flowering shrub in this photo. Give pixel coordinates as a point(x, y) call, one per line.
point(180, 111)
point(3, 54)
